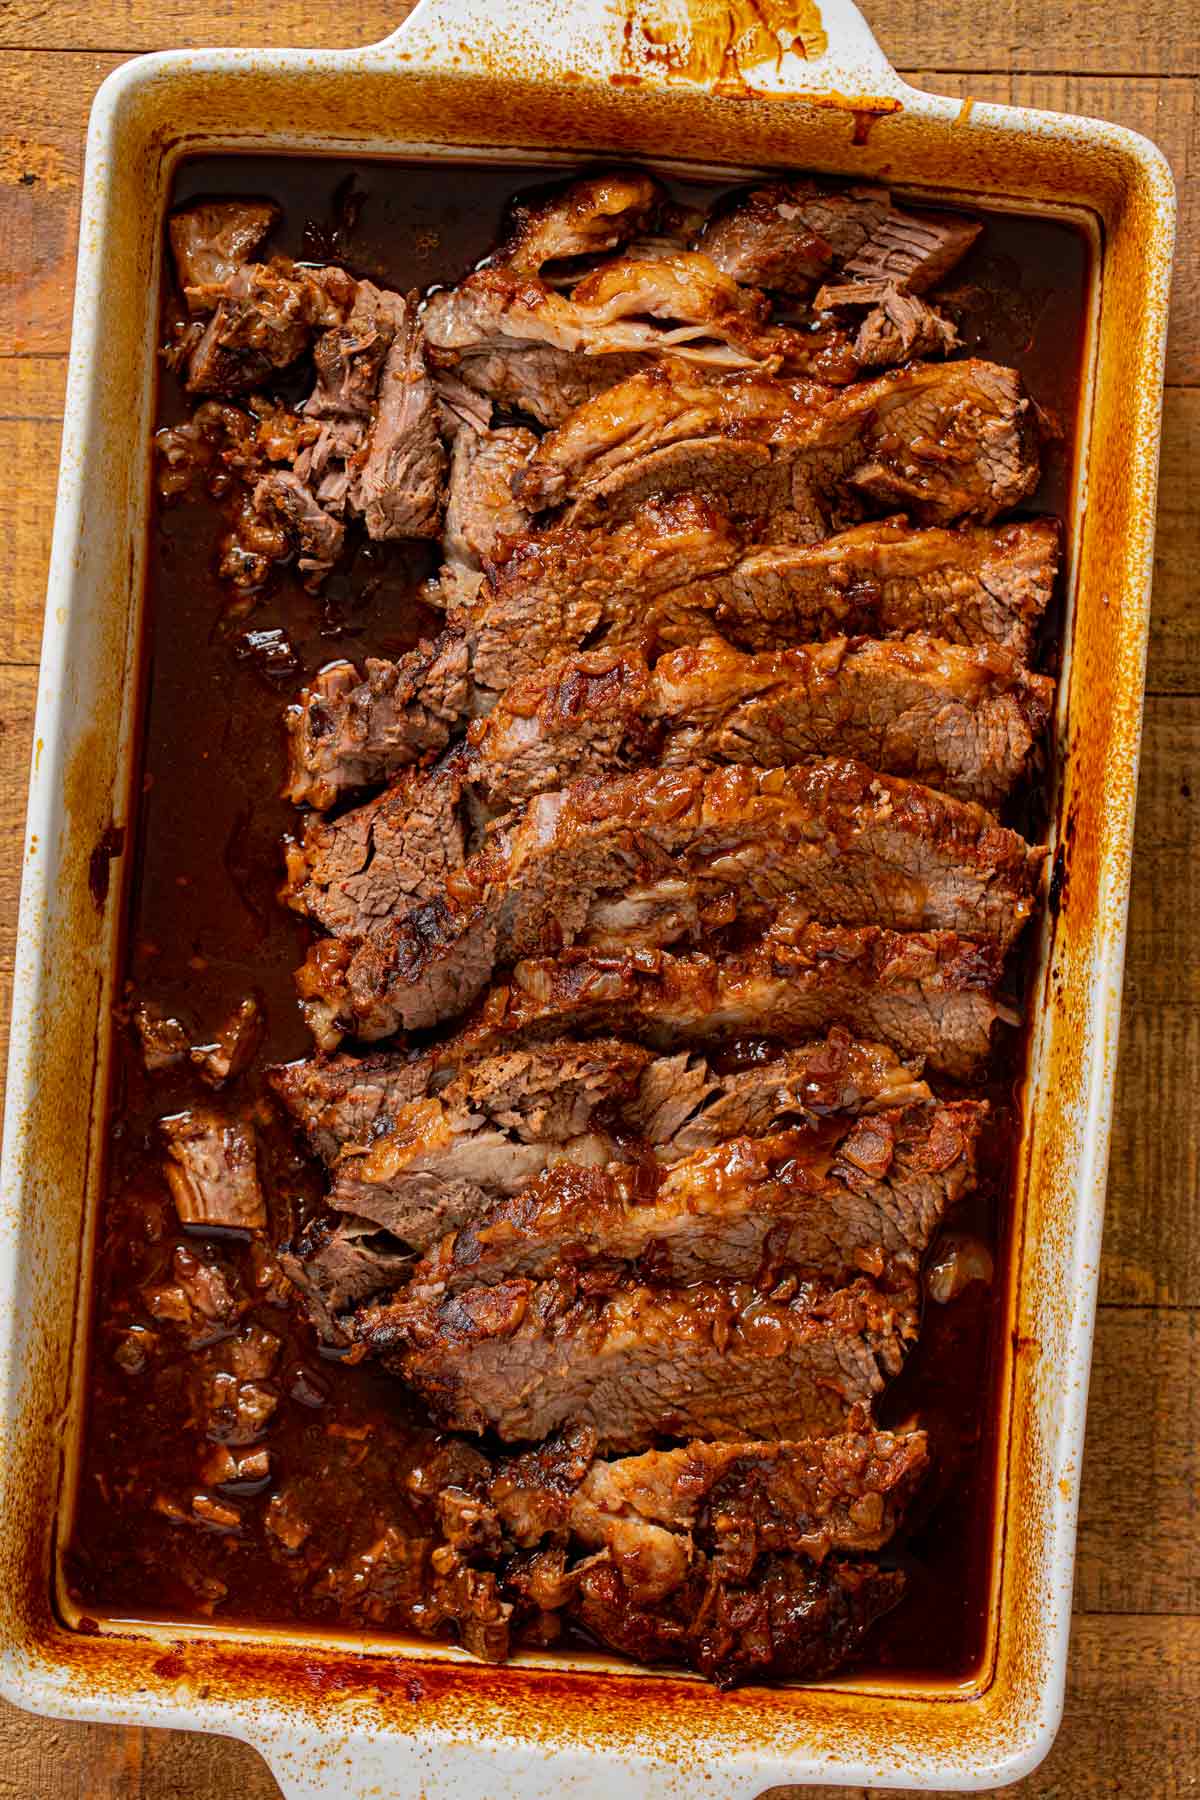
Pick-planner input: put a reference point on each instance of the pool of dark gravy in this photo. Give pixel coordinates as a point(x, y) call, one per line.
point(203, 928)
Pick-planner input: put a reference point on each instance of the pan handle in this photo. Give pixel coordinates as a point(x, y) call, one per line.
point(822, 48)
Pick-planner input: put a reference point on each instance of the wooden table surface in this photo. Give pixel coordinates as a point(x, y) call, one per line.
point(1133, 1709)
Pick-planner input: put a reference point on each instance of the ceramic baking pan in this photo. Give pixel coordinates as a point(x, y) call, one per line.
point(684, 83)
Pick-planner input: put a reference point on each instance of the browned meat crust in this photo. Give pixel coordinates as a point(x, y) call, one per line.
point(945, 441)
point(835, 1201)
point(966, 721)
point(717, 1359)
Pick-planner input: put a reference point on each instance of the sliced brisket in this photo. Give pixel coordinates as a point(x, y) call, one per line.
point(844, 1494)
point(652, 858)
point(789, 235)
point(353, 873)
point(833, 1201)
point(962, 720)
point(718, 1359)
point(679, 568)
point(487, 1128)
point(945, 441)
point(537, 1088)
point(788, 1620)
point(675, 302)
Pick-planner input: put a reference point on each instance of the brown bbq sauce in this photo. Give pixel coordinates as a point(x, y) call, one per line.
point(204, 929)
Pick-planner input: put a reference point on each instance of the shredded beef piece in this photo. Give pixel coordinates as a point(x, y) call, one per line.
point(335, 1266)
point(789, 235)
point(346, 730)
point(897, 325)
point(350, 356)
point(594, 214)
point(234, 1047)
point(264, 315)
point(164, 1042)
point(400, 486)
point(212, 1170)
point(482, 517)
point(210, 241)
point(199, 1298)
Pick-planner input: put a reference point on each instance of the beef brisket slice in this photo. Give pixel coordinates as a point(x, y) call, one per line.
point(503, 1120)
point(963, 720)
point(489, 1132)
point(714, 1360)
point(929, 994)
point(844, 1494)
point(348, 1099)
point(945, 441)
point(655, 857)
point(679, 569)
point(831, 1201)
point(549, 1089)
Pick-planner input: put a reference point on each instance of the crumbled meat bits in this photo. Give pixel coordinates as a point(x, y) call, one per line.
point(560, 1199)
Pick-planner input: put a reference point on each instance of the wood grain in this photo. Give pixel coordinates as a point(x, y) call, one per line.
point(1133, 1707)
point(1154, 38)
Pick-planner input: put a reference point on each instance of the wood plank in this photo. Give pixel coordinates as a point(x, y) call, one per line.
point(48, 1759)
point(1175, 623)
point(1152, 1229)
point(1126, 37)
point(1140, 1505)
point(46, 102)
point(26, 520)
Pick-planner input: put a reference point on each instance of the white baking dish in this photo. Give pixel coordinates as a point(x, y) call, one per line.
point(654, 79)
